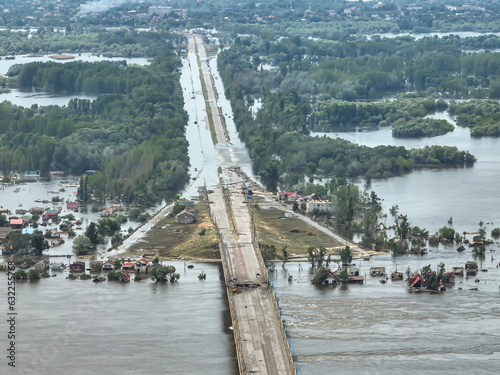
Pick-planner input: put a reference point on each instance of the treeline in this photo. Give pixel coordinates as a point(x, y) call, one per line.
point(282, 152)
point(135, 137)
point(74, 77)
point(368, 69)
point(121, 43)
point(482, 116)
point(333, 114)
point(417, 128)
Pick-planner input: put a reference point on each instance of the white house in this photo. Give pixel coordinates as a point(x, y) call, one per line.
point(321, 206)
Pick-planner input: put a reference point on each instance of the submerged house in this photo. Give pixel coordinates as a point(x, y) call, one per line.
point(77, 267)
point(331, 279)
point(125, 278)
point(128, 266)
point(417, 281)
point(42, 265)
point(142, 265)
point(108, 266)
point(57, 266)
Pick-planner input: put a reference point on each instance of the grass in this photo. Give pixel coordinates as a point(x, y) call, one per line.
point(188, 241)
point(273, 229)
point(208, 109)
point(211, 49)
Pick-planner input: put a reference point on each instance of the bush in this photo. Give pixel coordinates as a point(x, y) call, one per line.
point(495, 232)
point(114, 275)
point(33, 275)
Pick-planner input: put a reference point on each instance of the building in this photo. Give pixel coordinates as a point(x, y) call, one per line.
point(318, 205)
point(142, 265)
point(57, 266)
point(77, 267)
point(125, 278)
point(72, 206)
point(108, 266)
point(287, 197)
point(17, 223)
point(42, 265)
point(331, 279)
point(51, 214)
point(160, 11)
point(185, 217)
point(128, 266)
point(28, 231)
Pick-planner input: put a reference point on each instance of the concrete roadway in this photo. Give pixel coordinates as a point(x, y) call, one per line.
point(257, 328)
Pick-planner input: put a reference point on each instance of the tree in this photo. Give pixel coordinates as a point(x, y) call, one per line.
point(402, 226)
point(33, 275)
point(285, 255)
point(82, 243)
point(21, 275)
point(92, 234)
point(345, 256)
point(38, 244)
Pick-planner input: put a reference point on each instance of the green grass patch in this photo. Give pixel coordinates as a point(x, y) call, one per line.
point(274, 229)
point(190, 241)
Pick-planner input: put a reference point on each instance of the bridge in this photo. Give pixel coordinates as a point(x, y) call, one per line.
point(261, 343)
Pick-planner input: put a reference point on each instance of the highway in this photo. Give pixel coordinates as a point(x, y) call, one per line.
point(261, 344)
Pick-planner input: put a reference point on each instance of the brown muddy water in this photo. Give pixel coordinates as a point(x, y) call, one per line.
point(80, 327)
point(383, 329)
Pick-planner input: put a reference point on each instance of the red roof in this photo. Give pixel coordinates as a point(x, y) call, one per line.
point(145, 261)
point(16, 221)
point(126, 275)
point(128, 264)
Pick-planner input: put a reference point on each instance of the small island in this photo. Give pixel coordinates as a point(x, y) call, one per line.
point(62, 57)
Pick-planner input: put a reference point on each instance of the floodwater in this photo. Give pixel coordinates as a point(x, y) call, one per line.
point(431, 196)
point(417, 36)
point(80, 327)
point(145, 328)
point(42, 98)
point(383, 329)
point(134, 328)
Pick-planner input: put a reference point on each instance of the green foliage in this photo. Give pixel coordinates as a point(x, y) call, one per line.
point(38, 244)
point(20, 275)
point(343, 276)
point(134, 213)
point(268, 252)
point(447, 233)
point(345, 256)
point(495, 233)
point(82, 245)
point(33, 275)
point(421, 128)
point(320, 276)
point(164, 274)
point(114, 275)
point(92, 233)
point(479, 250)
point(134, 136)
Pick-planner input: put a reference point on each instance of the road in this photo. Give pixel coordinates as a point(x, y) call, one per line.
point(260, 341)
